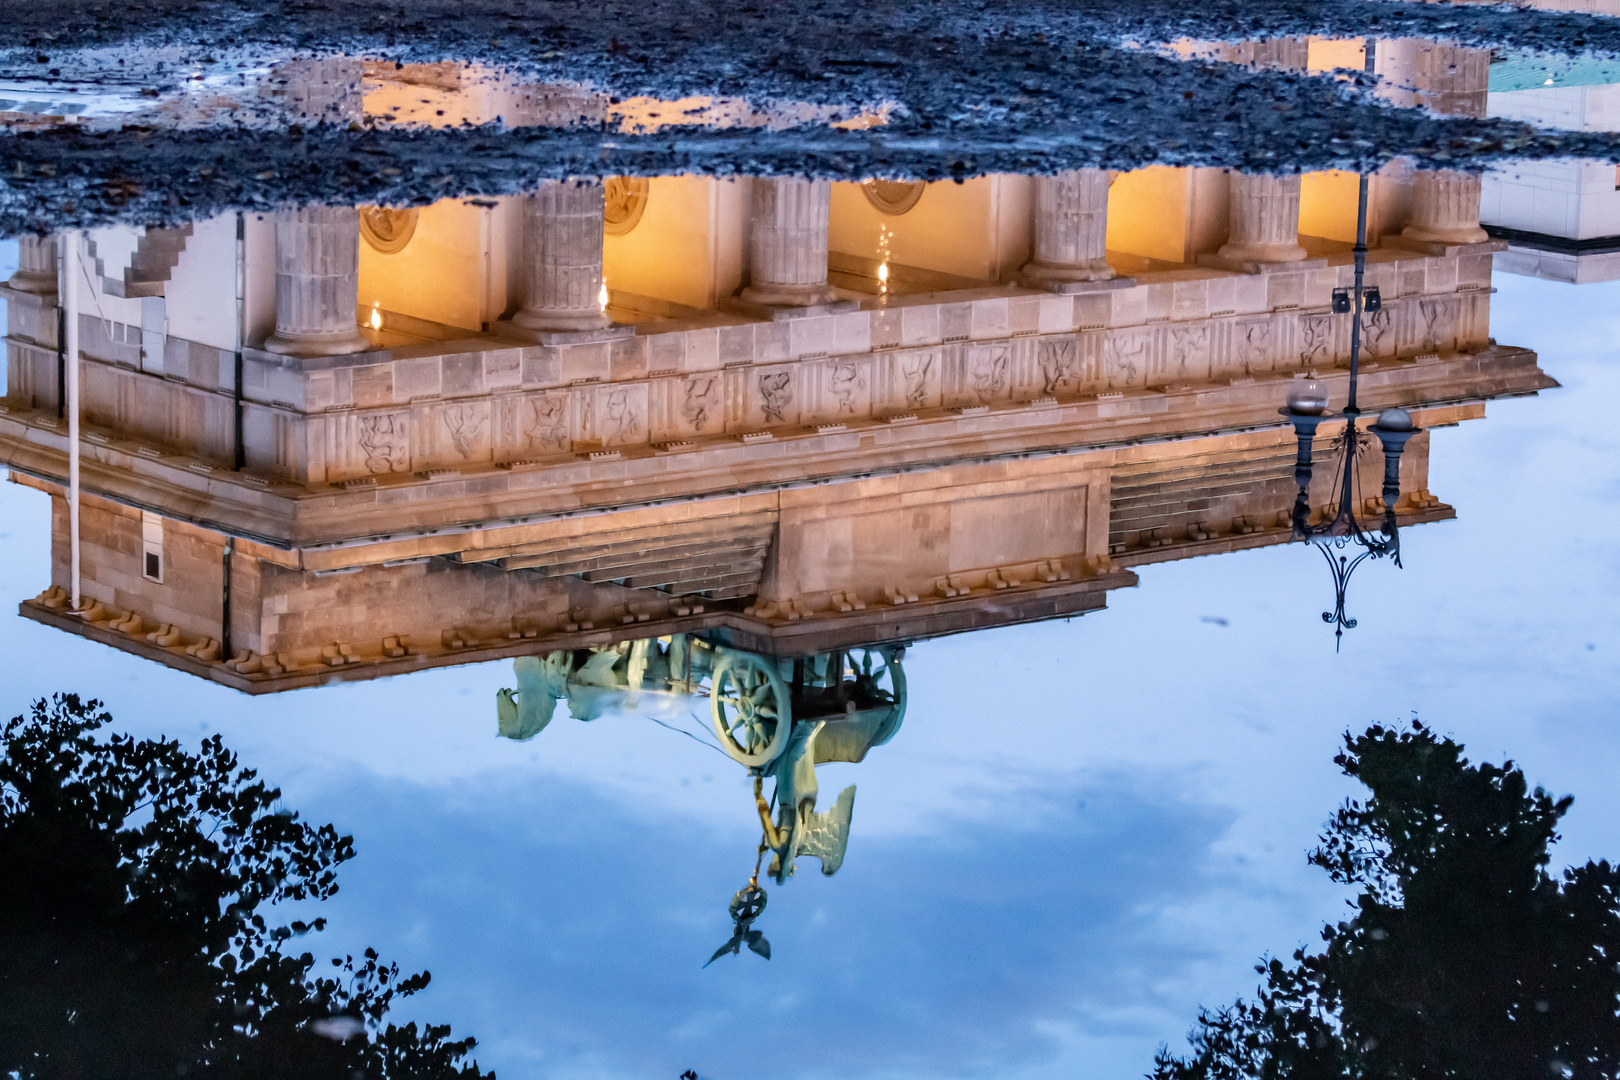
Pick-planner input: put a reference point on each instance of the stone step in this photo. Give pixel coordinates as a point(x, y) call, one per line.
point(676, 566)
point(568, 548)
point(157, 255)
point(597, 562)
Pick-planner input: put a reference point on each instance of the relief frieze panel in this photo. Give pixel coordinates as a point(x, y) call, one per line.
point(529, 426)
point(908, 380)
point(447, 435)
point(680, 408)
point(611, 416)
point(356, 444)
point(1318, 345)
point(985, 374)
point(1253, 342)
point(1127, 359)
point(1437, 324)
point(1058, 360)
point(1377, 331)
point(1188, 353)
point(763, 397)
point(846, 384)
point(384, 441)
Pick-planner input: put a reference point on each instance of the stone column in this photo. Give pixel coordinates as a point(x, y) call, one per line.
point(1070, 228)
point(36, 265)
point(787, 261)
point(562, 259)
point(1445, 208)
point(1264, 220)
point(317, 282)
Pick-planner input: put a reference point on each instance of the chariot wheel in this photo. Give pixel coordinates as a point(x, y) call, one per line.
point(753, 714)
point(878, 675)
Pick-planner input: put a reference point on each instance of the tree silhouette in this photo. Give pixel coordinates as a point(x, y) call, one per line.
point(1464, 959)
point(133, 940)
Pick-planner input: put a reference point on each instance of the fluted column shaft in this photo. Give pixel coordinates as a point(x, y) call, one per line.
point(317, 282)
point(562, 255)
point(36, 265)
point(1445, 208)
point(1264, 220)
point(1070, 227)
point(788, 249)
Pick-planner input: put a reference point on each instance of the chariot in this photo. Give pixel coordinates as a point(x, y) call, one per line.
point(777, 717)
point(858, 695)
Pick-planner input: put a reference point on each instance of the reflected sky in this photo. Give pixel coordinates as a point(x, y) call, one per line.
point(1086, 829)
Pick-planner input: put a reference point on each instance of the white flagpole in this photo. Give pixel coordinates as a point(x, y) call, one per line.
point(72, 246)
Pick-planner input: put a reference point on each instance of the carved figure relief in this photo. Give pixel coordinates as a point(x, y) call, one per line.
point(988, 370)
point(1124, 356)
point(915, 371)
point(1436, 322)
point(548, 422)
point(620, 424)
point(1189, 345)
point(845, 382)
point(384, 441)
point(1315, 338)
point(702, 395)
point(464, 425)
point(1375, 330)
point(1254, 346)
point(1060, 361)
point(776, 390)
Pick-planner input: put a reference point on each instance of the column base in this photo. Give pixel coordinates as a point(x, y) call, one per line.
point(316, 344)
point(1215, 262)
point(788, 295)
point(1247, 253)
point(1043, 275)
point(33, 281)
point(560, 321)
point(507, 328)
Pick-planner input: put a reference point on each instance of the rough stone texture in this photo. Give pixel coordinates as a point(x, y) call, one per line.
point(965, 90)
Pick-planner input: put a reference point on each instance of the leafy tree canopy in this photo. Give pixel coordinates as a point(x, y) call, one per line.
point(133, 939)
point(1464, 957)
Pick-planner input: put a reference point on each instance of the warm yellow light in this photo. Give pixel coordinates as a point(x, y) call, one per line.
point(376, 318)
point(883, 272)
point(602, 297)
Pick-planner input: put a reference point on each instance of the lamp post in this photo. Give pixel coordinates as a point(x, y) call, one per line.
point(1307, 408)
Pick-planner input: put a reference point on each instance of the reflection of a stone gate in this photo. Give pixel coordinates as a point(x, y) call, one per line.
point(779, 718)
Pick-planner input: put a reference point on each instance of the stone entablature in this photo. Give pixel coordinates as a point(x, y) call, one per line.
point(884, 559)
point(403, 516)
point(477, 403)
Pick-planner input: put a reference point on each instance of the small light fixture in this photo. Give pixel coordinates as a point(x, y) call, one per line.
point(1307, 397)
point(602, 296)
point(376, 318)
point(1341, 301)
point(1370, 300)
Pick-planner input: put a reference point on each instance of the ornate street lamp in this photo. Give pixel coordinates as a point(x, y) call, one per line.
point(1307, 409)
